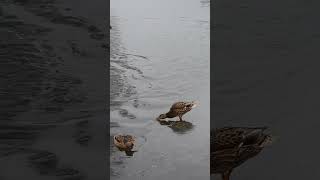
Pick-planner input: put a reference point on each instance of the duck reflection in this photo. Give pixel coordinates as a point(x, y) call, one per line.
point(180, 127)
point(232, 146)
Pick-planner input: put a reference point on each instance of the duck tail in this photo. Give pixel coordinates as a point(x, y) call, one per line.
point(268, 141)
point(194, 104)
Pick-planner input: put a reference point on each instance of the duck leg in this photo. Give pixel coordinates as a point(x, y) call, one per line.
point(180, 117)
point(226, 175)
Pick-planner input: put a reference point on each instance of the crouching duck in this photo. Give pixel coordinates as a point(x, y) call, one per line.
point(124, 142)
point(232, 146)
point(178, 109)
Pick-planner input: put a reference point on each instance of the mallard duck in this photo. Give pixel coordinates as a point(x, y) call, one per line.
point(232, 146)
point(124, 142)
point(178, 109)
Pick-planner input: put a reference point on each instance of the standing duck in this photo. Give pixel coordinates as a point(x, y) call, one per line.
point(178, 109)
point(232, 146)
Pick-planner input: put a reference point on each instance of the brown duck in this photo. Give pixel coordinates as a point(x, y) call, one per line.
point(124, 142)
point(232, 146)
point(178, 109)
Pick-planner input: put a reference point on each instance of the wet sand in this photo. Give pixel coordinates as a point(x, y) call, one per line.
point(52, 117)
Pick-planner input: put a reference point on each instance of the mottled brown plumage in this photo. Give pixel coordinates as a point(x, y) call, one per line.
point(232, 146)
point(178, 109)
point(124, 142)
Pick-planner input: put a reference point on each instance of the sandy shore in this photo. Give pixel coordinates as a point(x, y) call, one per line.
point(52, 117)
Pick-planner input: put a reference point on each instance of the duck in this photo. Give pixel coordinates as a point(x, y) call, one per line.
point(124, 142)
point(178, 109)
point(232, 146)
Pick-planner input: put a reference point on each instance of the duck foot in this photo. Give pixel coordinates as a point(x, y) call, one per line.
point(226, 175)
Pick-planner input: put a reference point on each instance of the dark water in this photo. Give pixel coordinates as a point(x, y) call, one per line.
point(159, 55)
point(266, 74)
point(51, 112)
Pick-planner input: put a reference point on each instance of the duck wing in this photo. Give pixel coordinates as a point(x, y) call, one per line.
point(235, 137)
point(183, 106)
point(178, 105)
point(232, 146)
point(128, 138)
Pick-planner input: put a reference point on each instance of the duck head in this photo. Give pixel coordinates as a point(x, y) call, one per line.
point(162, 116)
